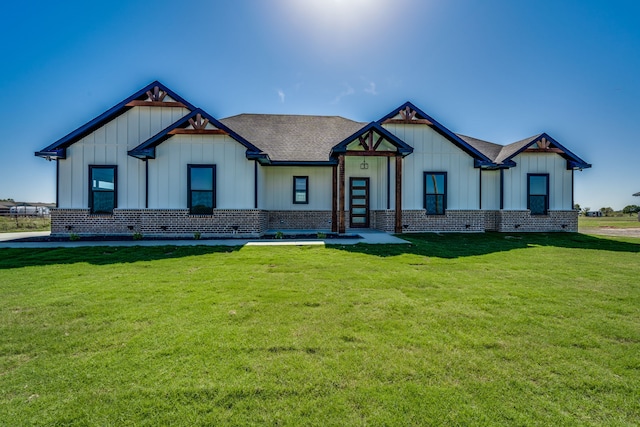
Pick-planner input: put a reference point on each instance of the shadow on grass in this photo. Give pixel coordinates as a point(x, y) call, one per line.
point(17, 258)
point(456, 245)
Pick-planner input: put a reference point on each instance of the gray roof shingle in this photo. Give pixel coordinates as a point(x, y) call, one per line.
point(292, 137)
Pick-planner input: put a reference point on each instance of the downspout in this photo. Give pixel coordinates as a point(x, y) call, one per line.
point(501, 189)
point(480, 186)
point(57, 183)
point(573, 202)
point(255, 184)
point(146, 183)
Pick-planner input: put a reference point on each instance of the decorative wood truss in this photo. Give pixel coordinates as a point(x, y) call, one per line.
point(543, 145)
point(369, 147)
point(155, 98)
point(198, 126)
point(408, 116)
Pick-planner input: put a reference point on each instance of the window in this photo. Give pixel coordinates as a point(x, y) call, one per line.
point(103, 196)
point(301, 189)
point(201, 189)
point(538, 193)
point(435, 192)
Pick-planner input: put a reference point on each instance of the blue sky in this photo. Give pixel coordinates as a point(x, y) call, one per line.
point(499, 70)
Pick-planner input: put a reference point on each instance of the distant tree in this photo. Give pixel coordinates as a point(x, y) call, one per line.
point(7, 200)
point(585, 210)
point(608, 211)
point(576, 207)
point(631, 209)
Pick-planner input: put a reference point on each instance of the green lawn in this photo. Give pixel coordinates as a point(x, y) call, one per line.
point(612, 222)
point(10, 224)
point(486, 329)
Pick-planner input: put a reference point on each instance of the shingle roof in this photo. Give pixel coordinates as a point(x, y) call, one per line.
point(510, 150)
point(291, 137)
point(487, 148)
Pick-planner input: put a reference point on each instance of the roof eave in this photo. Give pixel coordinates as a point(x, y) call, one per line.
point(60, 153)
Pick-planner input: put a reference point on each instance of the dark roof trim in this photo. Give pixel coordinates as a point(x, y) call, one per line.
point(147, 150)
point(442, 131)
point(58, 148)
point(573, 161)
point(300, 163)
point(402, 147)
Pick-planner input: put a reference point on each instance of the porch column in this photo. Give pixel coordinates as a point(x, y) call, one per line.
point(398, 227)
point(341, 225)
point(334, 199)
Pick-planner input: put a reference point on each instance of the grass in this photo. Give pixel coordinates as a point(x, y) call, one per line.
point(487, 329)
point(609, 222)
point(24, 223)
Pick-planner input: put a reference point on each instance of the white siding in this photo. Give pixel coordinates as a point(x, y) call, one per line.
point(515, 180)
point(490, 189)
point(434, 153)
point(377, 174)
point(168, 171)
point(108, 145)
point(277, 187)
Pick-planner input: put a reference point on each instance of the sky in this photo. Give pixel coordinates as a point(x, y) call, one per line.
point(498, 70)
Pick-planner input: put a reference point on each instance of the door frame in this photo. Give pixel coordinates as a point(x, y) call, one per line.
point(367, 188)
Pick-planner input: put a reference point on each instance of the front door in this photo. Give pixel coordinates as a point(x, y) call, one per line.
point(359, 202)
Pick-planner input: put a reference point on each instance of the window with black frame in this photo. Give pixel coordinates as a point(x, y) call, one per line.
point(201, 192)
point(300, 189)
point(103, 196)
point(538, 193)
point(435, 192)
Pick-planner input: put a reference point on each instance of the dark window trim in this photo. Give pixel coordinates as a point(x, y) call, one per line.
point(213, 185)
point(306, 190)
point(424, 191)
point(546, 201)
point(115, 187)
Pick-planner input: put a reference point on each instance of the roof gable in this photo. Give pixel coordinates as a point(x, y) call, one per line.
point(154, 94)
point(198, 122)
point(372, 131)
point(541, 143)
point(408, 113)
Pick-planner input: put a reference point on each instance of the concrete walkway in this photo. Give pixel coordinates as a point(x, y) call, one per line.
point(372, 237)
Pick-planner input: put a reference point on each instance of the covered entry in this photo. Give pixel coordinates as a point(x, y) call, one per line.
point(370, 141)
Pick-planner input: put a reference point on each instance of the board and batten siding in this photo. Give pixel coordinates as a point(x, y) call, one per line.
point(377, 174)
point(515, 180)
point(168, 171)
point(434, 153)
point(491, 190)
point(108, 145)
point(276, 185)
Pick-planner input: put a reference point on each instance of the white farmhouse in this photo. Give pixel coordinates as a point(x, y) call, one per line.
point(157, 165)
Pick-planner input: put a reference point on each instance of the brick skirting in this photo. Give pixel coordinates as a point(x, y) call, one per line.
point(299, 220)
point(254, 222)
point(523, 221)
point(177, 222)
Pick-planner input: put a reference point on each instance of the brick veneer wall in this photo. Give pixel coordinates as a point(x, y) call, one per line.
point(299, 220)
point(523, 221)
point(491, 220)
point(247, 222)
point(453, 220)
point(383, 220)
point(253, 222)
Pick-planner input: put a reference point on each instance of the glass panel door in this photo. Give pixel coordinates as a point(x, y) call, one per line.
point(359, 202)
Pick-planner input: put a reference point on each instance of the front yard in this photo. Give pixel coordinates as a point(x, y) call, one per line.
point(487, 329)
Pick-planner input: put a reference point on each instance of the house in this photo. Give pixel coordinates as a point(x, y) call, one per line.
point(155, 164)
